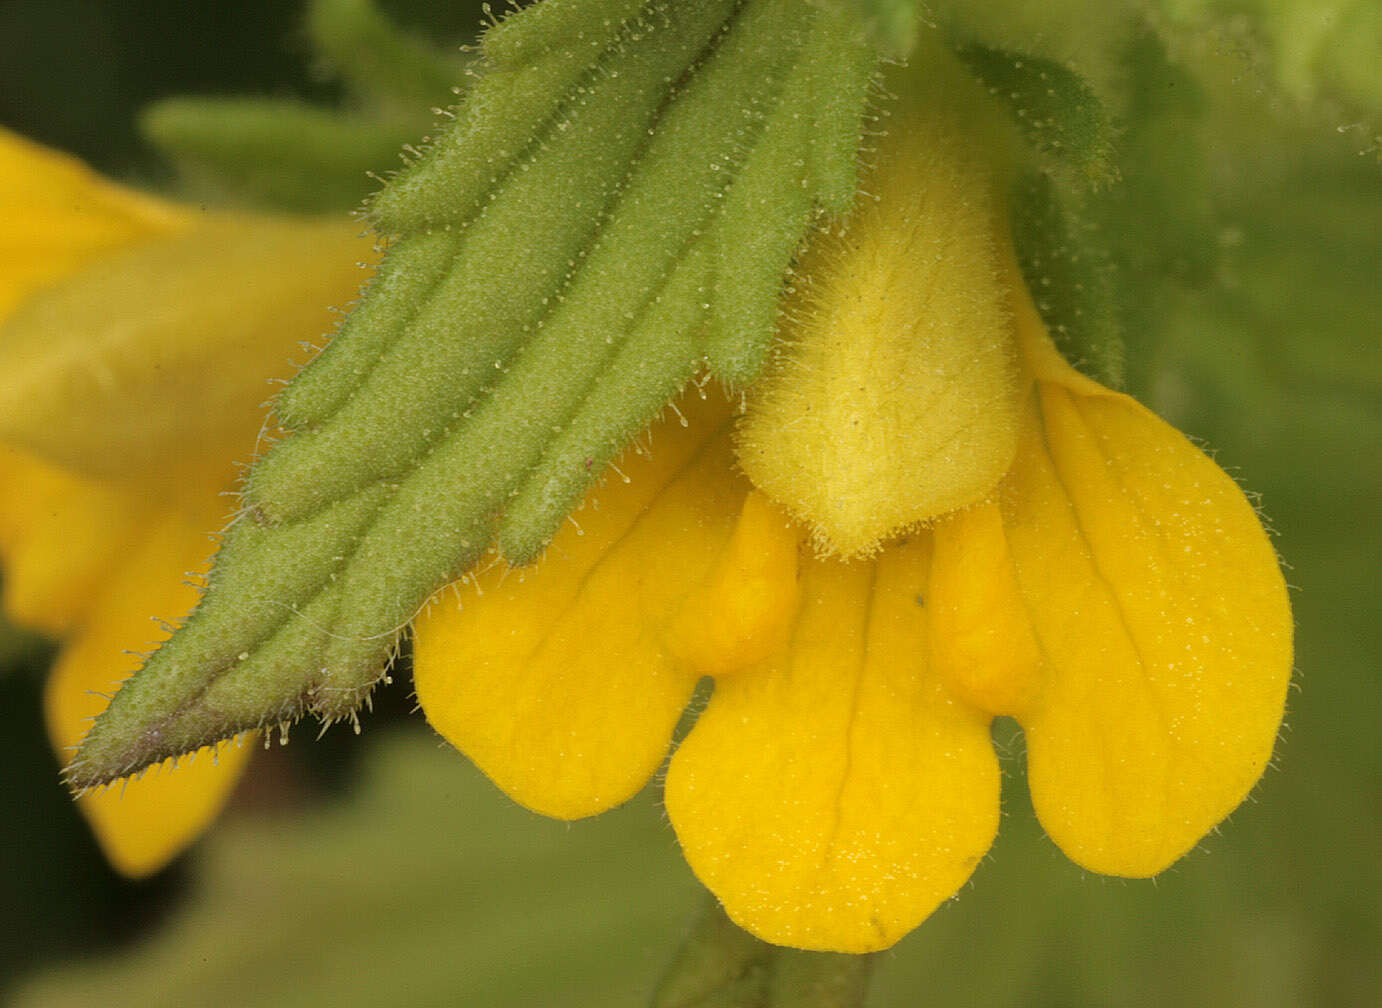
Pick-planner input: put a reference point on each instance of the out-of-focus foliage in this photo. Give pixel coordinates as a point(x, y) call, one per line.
point(426, 888)
point(18, 647)
point(288, 154)
point(1310, 49)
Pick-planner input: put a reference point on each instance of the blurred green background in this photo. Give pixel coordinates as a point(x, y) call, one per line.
point(1247, 239)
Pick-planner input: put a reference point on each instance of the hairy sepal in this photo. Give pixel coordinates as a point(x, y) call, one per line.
point(559, 267)
point(1070, 277)
point(1058, 111)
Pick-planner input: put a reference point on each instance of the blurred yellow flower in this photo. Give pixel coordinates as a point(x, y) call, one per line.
point(136, 339)
point(994, 534)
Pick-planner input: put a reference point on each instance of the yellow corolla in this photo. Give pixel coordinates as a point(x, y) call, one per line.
point(136, 339)
point(924, 518)
point(921, 519)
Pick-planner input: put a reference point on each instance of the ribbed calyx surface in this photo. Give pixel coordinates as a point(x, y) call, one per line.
point(612, 211)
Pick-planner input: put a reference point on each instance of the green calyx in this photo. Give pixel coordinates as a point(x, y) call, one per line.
point(1070, 278)
point(1070, 161)
point(611, 211)
point(1056, 109)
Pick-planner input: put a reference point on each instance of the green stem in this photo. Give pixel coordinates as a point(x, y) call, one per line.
point(722, 966)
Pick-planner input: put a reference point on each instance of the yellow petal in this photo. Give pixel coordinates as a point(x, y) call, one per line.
point(60, 535)
point(141, 824)
point(832, 798)
point(981, 632)
point(743, 612)
point(1162, 618)
point(558, 680)
point(59, 215)
point(895, 397)
point(167, 348)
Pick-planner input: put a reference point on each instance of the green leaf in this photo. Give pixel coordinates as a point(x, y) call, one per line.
point(613, 210)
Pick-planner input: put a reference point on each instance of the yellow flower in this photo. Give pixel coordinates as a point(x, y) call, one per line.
point(923, 519)
point(994, 534)
point(136, 338)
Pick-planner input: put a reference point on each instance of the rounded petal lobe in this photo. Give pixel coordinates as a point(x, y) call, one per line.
point(558, 680)
point(142, 823)
point(1164, 624)
point(59, 214)
point(834, 796)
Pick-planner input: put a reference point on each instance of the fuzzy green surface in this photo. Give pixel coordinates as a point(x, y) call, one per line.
point(1070, 280)
point(1057, 110)
point(612, 211)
